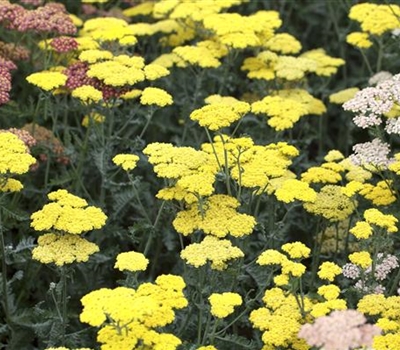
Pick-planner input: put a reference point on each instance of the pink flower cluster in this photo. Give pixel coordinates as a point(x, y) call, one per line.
point(341, 330)
point(13, 52)
point(50, 18)
point(370, 103)
point(5, 79)
point(24, 135)
point(368, 283)
point(374, 153)
point(9, 13)
point(64, 44)
point(77, 77)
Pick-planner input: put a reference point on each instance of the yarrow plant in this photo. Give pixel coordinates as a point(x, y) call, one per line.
point(182, 175)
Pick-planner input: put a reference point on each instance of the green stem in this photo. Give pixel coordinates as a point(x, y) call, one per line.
point(214, 330)
point(6, 301)
point(316, 255)
point(139, 201)
point(199, 286)
point(56, 305)
point(149, 117)
point(206, 328)
point(371, 72)
point(64, 303)
point(239, 192)
point(153, 229)
point(82, 158)
point(227, 175)
point(213, 148)
point(380, 55)
point(237, 126)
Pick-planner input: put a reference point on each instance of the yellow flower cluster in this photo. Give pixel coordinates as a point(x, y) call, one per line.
point(326, 65)
point(223, 304)
point(241, 32)
point(119, 71)
point(395, 166)
point(359, 39)
point(63, 249)
point(143, 9)
point(259, 164)
point(47, 80)
point(217, 251)
point(355, 172)
point(252, 166)
point(217, 216)
point(329, 270)
point(155, 71)
point(375, 20)
point(131, 94)
point(155, 96)
point(168, 60)
point(108, 29)
point(285, 107)
point(283, 43)
point(293, 68)
point(329, 292)
point(284, 312)
point(14, 160)
point(292, 189)
point(343, 96)
point(94, 55)
point(68, 216)
point(328, 172)
point(374, 218)
point(194, 9)
point(379, 194)
point(10, 185)
point(87, 94)
point(290, 268)
point(331, 204)
point(131, 261)
point(386, 310)
point(126, 161)
point(362, 230)
point(197, 55)
point(128, 317)
point(279, 320)
point(221, 114)
point(296, 250)
point(362, 259)
point(194, 171)
point(268, 65)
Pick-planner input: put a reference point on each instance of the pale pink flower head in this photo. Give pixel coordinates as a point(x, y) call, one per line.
point(50, 18)
point(380, 77)
point(64, 44)
point(374, 153)
point(341, 330)
point(371, 103)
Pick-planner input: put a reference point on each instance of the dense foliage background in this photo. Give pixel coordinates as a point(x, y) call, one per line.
point(236, 173)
